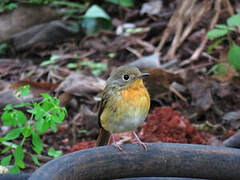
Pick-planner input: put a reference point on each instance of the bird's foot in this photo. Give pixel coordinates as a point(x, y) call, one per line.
point(116, 144)
point(140, 142)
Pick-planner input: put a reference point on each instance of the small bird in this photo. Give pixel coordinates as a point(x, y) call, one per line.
point(124, 106)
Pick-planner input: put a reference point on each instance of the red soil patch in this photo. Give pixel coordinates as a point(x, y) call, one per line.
point(82, 145)
point(166, 125)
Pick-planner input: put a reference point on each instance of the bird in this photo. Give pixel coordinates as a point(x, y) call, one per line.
point(124, 105)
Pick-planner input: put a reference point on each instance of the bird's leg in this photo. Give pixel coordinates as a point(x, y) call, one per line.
point(116, 144)
point(139, 141)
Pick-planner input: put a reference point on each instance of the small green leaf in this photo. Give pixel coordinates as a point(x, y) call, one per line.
point(215, 44)
point(2, 140)
point(6, 160)
point(111, 55)
point(72, 65)
point(52, 60)
point(22, 105)
point(53, 126)
point(13, 134)
point(96, 12)
point(27, 131)
point(35, 160)
point(6, 149)
point(69, 4)
point(127, 3)
point(234, 56)
point(15, 169)
point(20, 117)
point(46, 96)
point(8, 118)
point(9, 144)
point(8, 107)
point(24, 90)
point(223, 26)
point(52, 152)
point(83, 131)
point(37, 143)
point(234, 20)
point(20, 164)
point(3, 48)
point(95, 20)
point(216, 33)
point(18, 153)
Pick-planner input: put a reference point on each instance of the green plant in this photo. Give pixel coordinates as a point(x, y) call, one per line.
point(3, 47)
point(127, 3)
point(43, 116)
point(95, 19)
point(7, 5)
point(223, 32)
point(51, 60)
point(96, 68)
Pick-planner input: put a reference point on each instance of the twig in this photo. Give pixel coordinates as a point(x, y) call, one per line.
point(178, 16)
point(77, 116)
point(229, 7)
point(134, 51)
point(199, 50)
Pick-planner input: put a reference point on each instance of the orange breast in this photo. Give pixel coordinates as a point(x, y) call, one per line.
point(137, 95)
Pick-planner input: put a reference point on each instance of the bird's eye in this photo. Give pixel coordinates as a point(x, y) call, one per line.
point(125, 77)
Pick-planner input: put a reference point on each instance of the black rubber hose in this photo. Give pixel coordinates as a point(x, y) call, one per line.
point(14, 176)
point(161, 160)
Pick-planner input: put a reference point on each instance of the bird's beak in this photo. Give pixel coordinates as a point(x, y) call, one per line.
point(143, 75)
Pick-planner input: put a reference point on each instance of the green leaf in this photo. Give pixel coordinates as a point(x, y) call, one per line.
point(53, 126)
point(220, 69)
point(234, 20)
point(10, 6)
point(52, 60)
point(9, 144)
point(6, 149)
point(24, 90)
point(95, 20)
point(46, 96)
point(20, 117)
point(127, 3)
point(223, 26)
point(18, 153)
point(72, 65)
point(27, 131)
point(20, 164)
point(96, 12)
point(69, 4)
point(8, 107)
point(216, 33)
point(111, 55)
point(53, 153)
point(234, 56)
point(42, 126)
point(13, 134)
point(22, 105)
point(83, 131)
point(215, 44)
point(37, 143)
point(15, 169)
point(3, 48)
point(8, 118)
point(2, 140)
point(35, 160)
point(6, 160)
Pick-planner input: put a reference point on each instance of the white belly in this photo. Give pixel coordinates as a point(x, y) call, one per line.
point(128, 122)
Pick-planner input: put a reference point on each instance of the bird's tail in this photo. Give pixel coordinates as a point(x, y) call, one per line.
point(103, 137)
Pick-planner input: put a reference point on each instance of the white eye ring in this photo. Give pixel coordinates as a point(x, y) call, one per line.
point(125, 77)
